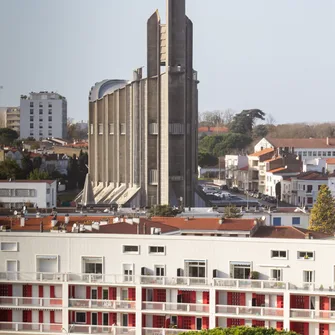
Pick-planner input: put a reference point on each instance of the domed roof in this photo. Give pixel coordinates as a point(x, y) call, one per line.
point(104, 87)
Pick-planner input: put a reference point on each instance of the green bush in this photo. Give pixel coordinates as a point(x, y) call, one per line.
point(241, 330)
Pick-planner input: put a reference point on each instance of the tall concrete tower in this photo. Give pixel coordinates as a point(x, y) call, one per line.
point(143, 133)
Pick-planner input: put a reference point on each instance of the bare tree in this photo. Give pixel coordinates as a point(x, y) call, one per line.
point(216, 118)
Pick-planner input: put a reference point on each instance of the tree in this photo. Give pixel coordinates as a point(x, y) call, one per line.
point(36, 174)
point(240, 330)
point(216, 118)
point(260, 131)
point(206, 159)
point(323, 212)
point(72, 173)
point(27, 166)
point(8, 136)
point(82, 168)
point(10, 169)
point(37, 162)
point(162, 210)
point(232, 212)
point(243, 122)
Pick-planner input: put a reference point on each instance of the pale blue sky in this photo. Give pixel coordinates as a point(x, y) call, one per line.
point(276, 55)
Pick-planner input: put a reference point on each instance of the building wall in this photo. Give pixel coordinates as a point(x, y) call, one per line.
point(44, 195)
point(52, 121)
point(10, 118)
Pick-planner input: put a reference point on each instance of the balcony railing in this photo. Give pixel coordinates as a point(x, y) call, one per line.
point(229, 283)
point(115, 330)
point(38, 302)
point(173, 306)
point(311, 314)
point(30, 327)
point(163, 331)
point(252, 310)
point(102, 304)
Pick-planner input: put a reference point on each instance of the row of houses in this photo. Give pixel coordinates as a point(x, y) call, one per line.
point(299, 166)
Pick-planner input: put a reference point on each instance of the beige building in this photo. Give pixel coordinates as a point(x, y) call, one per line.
point(10, 118)
point(143, 133)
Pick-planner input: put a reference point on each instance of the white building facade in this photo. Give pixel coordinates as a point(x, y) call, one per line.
point(43, 115)
point(19, 193)
point(10, 118)
point(157, 284)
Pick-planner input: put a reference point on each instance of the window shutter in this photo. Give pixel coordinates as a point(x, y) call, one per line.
point(205, 322)
point(52, 316)
point(88, 292)
point(280, 301)
point(52, 291)
point(10, 290)
point(205, 298)
point(40, 291)
point(242, 299)
point(88, 318)
point(132, 293)
point(112, 293)
point(229, 298)
point(40, 316)
point(100, 318)
point(99, 293)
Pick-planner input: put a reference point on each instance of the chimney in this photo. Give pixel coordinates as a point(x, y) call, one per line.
point(327, 139)
point(41, 227)
point(22, 221)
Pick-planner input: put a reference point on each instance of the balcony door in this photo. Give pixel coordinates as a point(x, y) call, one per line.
point(11, 267)
point(94, 319)
point(240, 270)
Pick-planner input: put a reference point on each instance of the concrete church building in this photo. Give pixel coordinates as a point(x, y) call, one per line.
point(143, 133)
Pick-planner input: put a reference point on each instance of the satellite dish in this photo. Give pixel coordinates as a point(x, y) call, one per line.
point(15, 212)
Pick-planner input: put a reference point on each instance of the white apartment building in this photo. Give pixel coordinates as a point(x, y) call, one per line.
point(10, 118)
point(234, 163)
point(79, 283)
point(43, 115)
point(17, 193)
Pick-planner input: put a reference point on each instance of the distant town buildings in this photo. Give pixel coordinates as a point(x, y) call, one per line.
point(143, 134)
point(43, 115)
point(10, 118)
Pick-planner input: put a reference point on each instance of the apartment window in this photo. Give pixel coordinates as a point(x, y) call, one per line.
point(31, 119)
point(310, 153)
point(128, 271)
point(303, 187)
point(277, 221)
point(131, 249)
point(50, 133)
point(40, 111)
point(240, 270)
point(80, 317)
point(9, 246)
point(305, 255)
point(329, 153)
point(111, 129)
point(47, 263)
point(304, 153)
point(40, 119)
point(277, 274)
point(153, 128)
point(92, 264)
point(50, 125)
point(123, 129)
point(50, 118)
point(49, 105)
point(309, 188)
point(100, 129)
point(31, 112)
point(41, 104)
point(195, 269)
point(296, 221)
point(314, 153)
point(31, 134)
point(31, 125)
point(310, 200)
point(92, 128)
point(41, 133)
point(279, 254)
point(308, 276)
point(31, 104)
point(157, 250)
point(324, 153)
point(50, 111)
point(153, 176)
point(160, 270)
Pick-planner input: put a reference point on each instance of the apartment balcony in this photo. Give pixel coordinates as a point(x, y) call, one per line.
point(244, 311)
point(181, 308)
point(102, 304)
point(163, 331)
point(31, 302)
point(250, 284)
point(308, 314)
point(90, 329)
point(52, 328)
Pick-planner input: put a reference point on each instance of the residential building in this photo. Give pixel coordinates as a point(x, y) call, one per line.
point(305, 188)
point(54, 282)
point(216, 171)
point(330, 165)
point(11, 153)
point(234, 163)
point(207, 130)
point(19, 193)
point(315, 164)
point(306, 148)
point(43, 115)
point(143, 133)
point(10, 118)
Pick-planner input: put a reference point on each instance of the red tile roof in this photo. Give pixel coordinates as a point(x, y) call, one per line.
point(281, 169)
point(262, 152)
point(213, 130)
point(311, 175)
point(330, 160)
point(288, 232)
point(313, 143)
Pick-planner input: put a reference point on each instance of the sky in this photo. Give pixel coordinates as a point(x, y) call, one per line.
point(278, 55)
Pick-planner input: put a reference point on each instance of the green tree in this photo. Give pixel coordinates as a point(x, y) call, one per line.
point(72, 173)
point(206, 159)
point(82, 168)
point(243, 122)
point(162, 210)
point(8, 136)
point(323, 212)
point(260, 131)
point(27, 166)
point(240, 330)
point(37, 162)
point(232, 212)
point(10, 169)
point(36, 174)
